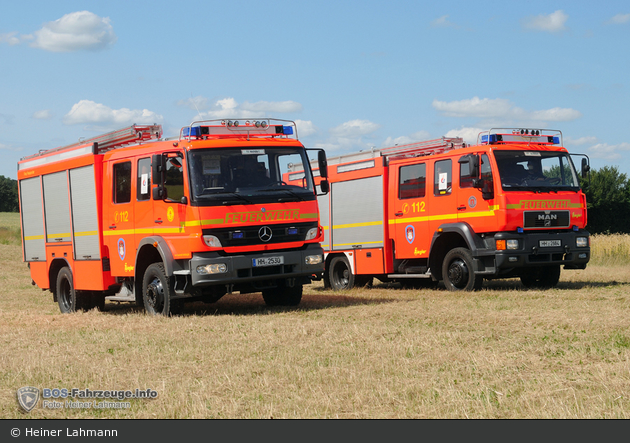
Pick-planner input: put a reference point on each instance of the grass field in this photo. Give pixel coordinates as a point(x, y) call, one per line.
point(502, 352)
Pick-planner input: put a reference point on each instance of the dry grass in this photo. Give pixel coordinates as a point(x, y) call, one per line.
point(503, 352)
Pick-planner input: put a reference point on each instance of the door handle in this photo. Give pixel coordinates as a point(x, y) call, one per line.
point(112, 227)
point(399, 214)
point(461, 208)
point(159, 220)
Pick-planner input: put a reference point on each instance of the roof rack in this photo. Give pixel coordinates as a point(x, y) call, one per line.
point(111, 140)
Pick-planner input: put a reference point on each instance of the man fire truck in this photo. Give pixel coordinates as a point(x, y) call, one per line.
point(511, 206)
point(158, 222)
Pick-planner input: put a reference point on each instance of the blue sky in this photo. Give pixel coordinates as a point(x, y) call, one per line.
point(352, 74)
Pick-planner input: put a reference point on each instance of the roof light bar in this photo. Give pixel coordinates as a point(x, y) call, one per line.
point(238, 128)
point(538, 136)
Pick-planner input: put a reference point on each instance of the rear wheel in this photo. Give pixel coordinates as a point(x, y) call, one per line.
point(541, 278)
point(458, 272)
point(283, 295)
point(157, 292)
point(340, 274)
point(66, 295)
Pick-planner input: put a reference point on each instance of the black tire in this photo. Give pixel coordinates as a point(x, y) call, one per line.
point(283, 295)
point(541, 278)
point(157, 292)
point(340, 274)
point(457, 271)
point(66, 294)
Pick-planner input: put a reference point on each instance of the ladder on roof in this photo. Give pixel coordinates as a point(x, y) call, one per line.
point(428, 147)
point(133, 134)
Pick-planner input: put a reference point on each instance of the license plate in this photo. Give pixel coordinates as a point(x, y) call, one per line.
point(549, 243)
point(267, 261)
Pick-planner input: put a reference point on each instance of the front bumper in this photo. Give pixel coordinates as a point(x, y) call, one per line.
point(543, 249)
point(239, 269)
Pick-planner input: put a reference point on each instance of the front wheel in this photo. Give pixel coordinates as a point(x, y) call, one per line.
point(157, 292)
point(458, 272)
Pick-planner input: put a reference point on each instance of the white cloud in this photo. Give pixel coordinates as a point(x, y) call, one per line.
point(620, 19)
point(468, 134)
point(10, 38)
point(76, 31)
point(553, 22)
point(44, 114)
point(405, 139)
point(306, 128)
point(229, 108)
point(580, 141)
point(605, 151)
point(443, 22)
point(89, 112)
point(354, 128)
point(500, 111)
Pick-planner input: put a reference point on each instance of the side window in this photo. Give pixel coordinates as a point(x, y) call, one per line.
point(122, 182)
point(174, 183)
point(412, 181)
point(465, 179)
point(442, 178)
point(143, 184)
point(486, 171)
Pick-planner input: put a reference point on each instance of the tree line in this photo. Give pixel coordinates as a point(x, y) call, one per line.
point(607, 195)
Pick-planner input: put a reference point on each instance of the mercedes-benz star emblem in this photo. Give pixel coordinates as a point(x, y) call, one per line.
point(265, 233)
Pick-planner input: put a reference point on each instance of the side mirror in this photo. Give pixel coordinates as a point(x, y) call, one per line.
point(323, 164)
point(324, 186)
point(585, 168)
point(474, 166)
point(157, 168)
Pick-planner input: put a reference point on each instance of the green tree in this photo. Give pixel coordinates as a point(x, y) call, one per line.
point(8, 195)
point(608, 200)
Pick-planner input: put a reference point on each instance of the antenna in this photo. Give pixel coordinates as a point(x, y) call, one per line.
point(195, 103)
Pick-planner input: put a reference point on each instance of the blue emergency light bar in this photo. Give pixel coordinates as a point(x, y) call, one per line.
point(253, 128)
point(521, 136)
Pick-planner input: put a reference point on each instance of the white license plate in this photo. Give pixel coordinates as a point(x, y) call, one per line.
point(549, 243)
point(268, 261)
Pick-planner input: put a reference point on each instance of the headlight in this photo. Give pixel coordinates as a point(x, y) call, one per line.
point(212, 241)
point(314, 259)
point(312, 233)
point(581, 242)
point(219, 268)
point(512, 244)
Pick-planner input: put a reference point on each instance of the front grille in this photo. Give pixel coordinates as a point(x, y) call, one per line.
point(546, 219)
point(248, 235)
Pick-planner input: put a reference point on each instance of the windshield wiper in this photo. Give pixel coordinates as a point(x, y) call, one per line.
point(238, 197)
point(294, 194)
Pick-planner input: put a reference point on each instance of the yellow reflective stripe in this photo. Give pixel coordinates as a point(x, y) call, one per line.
point(489, 213)
point(214, 221)
point(308, 215)
point(357, 225)
point(60, 235)
point(358, 243)
point(34, 237)
point(85, 233)
point(117, 232)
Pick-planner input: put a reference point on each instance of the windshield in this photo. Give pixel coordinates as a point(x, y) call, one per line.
point(244, 176)
point(538, 171)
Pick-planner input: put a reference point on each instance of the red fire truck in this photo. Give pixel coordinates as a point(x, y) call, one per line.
point(129, 216)
point(510, 206)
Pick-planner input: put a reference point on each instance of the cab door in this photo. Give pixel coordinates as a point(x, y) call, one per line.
point(119, 229)
point(143, 211)
point(442, 202)
point(409, 208)
point(472, 207)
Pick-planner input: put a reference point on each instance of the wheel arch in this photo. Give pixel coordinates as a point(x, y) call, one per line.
point(151, 250)
point(447, 237)
point(53, 271)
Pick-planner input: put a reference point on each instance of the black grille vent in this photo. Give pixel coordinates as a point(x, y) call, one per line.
point(546, 219)
point(248, 235)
